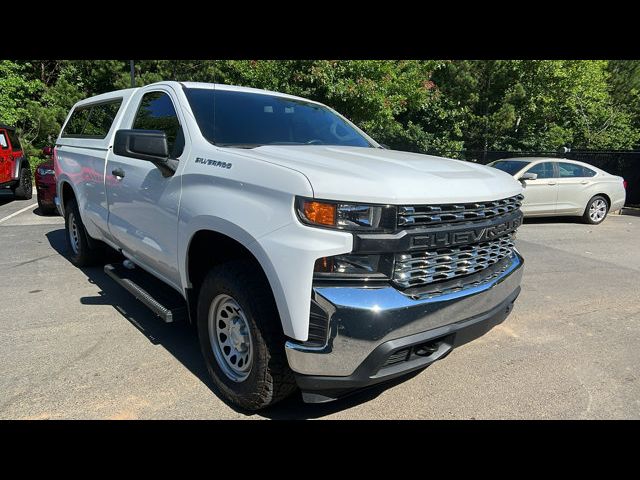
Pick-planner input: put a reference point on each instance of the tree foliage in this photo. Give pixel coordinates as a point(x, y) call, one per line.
point(424, 106)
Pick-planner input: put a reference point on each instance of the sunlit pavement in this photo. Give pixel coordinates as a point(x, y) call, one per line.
point(75, 345)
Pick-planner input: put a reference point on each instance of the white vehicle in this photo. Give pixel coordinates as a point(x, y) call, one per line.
point(308, 256)
point(558, 186)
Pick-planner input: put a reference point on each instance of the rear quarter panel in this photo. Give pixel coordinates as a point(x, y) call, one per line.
point(81, 162)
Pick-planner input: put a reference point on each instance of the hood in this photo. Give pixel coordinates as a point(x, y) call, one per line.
point(389, 176)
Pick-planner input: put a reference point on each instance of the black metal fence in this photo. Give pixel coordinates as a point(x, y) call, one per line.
point(621, 162)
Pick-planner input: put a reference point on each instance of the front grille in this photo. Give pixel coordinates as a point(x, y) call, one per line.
point(420, 215)
point(397, 357)
point(428, 266)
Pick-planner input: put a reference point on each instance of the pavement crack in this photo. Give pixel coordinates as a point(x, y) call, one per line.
point(589, 395)
point(31, 261)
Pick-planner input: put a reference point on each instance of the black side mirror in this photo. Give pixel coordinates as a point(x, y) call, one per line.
point(148, 145)
point(528, 176)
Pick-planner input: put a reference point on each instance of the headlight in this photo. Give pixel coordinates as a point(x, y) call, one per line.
point(346, 216)
point(45, 171)
point(352, 267)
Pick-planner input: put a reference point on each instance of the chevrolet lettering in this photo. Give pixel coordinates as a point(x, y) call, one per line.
point(446, 238)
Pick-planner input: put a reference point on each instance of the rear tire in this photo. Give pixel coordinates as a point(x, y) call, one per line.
point(24, 189)
point(81, 252)
point(241, 337)
point(596, 210)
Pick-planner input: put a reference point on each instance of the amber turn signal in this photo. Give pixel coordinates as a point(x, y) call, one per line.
point(320, 213)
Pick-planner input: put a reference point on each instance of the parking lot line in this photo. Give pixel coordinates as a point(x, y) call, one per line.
point(17, 213)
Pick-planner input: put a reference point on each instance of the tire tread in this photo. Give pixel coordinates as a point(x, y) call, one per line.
point(277, 381)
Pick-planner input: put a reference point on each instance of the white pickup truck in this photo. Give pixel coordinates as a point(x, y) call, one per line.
point(308, 255)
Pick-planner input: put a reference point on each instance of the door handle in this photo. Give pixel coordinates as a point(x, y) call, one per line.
point(117, 172)
point(552, 183)
point(584, 182)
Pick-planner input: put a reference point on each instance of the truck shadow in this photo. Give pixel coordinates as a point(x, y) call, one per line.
point(180, 339)
point(294, 408)
point(6, 197)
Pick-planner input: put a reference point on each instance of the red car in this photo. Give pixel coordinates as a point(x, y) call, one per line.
point(15, 172)
point(46, 184)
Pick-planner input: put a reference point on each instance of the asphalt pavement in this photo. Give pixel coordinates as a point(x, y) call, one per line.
point(73, 344)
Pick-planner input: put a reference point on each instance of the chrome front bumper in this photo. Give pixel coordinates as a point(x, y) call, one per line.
point(361, 319)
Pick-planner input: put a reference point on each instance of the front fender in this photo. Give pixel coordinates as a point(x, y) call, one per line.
point(287, 257)
point(18, 165)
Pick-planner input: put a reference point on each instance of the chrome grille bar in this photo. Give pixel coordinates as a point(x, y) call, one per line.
point(419, 215)
point(425, 267)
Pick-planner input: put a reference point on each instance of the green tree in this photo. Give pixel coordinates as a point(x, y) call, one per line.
point(428, 106)
point(537, 105)
point(16, 89)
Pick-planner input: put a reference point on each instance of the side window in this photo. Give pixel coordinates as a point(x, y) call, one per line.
point(93, 121)
point(568, 170)
point(75, 125)
point(3, 141)
point(15, 142)
point(101, 118)
point(544, 170)
point(156, 112)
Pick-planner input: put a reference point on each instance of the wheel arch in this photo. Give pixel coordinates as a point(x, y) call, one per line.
point(605, 196)
point(20, 163)
point(66, 193)
point(208, 247)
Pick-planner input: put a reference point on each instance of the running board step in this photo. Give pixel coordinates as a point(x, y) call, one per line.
point(148, 290)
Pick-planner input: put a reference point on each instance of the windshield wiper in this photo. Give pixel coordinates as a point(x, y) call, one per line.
point(240, 145)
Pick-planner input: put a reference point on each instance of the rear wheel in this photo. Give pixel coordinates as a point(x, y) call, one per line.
point(24, 189)
point(81, 252)
point(596, 211)
point(241, 338)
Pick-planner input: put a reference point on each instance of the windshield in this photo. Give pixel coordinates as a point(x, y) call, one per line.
point(510, 166)
point(247, 120)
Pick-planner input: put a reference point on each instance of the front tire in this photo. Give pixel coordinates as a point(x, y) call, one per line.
point(24, 189)
point(81, 252)
point(241, 338)
point(596, 210)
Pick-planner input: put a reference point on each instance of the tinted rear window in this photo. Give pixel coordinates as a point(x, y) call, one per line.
point(92, 121)
point(568, 170)
point(15, 141)
point(510, 166)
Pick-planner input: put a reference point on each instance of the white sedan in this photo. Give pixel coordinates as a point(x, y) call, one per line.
point(557, 186)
